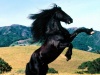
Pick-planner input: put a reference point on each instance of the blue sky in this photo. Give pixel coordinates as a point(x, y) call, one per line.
point(84, 12)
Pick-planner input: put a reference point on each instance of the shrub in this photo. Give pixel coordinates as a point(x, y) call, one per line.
point(98, 52)
point(83, 65)
point(52, 70)
point(92, 66)
point(4, 66)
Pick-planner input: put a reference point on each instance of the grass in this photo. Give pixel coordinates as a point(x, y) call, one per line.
point(18, 57)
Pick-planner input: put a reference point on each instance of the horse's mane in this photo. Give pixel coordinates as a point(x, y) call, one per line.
point(41, 19)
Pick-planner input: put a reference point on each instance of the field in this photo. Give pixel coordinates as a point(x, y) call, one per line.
point(18, 56)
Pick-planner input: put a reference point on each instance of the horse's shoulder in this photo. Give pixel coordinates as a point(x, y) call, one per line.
point(56, 37)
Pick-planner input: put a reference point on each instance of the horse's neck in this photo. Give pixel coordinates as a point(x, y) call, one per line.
point(73, 35)
point(52, 26)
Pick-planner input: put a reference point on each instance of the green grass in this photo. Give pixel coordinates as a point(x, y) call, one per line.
point(18, 56)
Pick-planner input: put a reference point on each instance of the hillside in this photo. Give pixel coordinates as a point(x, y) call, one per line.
point(21, 35)
point(15, 32)
point(18, 56)
point(24, 42)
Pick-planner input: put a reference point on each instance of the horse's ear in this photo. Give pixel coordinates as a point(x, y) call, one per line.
point(55, 5)
point(91, 28)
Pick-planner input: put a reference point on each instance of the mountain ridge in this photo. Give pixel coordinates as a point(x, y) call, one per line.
point(11, 35)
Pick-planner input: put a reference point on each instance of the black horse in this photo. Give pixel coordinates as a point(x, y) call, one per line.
point(47, 29)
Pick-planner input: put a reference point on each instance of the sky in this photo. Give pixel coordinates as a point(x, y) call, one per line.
point(85, 13)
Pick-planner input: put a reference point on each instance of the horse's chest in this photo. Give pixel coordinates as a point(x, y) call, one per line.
point(50, 55)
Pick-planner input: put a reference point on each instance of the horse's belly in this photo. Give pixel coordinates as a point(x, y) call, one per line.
point(49, 57)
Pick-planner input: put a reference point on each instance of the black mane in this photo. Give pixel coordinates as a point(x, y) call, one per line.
point(45, 13)
point(41, 19)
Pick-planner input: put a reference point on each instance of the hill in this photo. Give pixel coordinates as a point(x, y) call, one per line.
point(15, 32)
point(18, 56)
point(21, 35)
point(24, 42)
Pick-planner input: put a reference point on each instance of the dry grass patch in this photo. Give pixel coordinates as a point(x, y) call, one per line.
point(17, 57)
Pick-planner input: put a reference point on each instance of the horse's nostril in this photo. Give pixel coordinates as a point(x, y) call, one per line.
point(92, 32)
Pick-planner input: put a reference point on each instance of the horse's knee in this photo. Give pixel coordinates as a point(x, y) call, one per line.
point(70, 46)
point(69, 52)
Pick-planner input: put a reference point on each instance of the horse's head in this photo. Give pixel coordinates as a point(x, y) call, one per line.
point(47, 22)
point(62, 16)
point(90, 31)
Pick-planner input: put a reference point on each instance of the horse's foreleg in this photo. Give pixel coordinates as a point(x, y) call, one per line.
point(69, 52)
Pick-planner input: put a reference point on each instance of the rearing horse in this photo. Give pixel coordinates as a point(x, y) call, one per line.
point(47, 29)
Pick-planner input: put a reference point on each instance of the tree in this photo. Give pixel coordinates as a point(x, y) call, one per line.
point(92, 66)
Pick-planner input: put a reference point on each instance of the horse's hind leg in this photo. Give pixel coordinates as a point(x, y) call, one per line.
point(32, 68)
point(30, 71)
point(43, 70)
